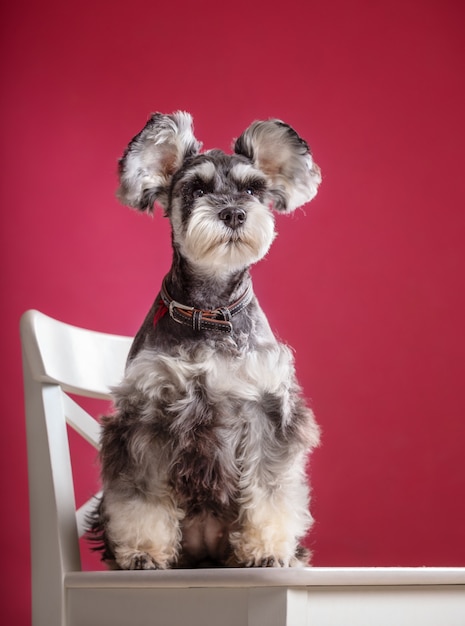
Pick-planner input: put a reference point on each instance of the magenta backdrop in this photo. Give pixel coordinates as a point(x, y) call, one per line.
point(367, 283)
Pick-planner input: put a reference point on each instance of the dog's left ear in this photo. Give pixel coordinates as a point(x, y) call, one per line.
point(284, 157)
point(152, 157)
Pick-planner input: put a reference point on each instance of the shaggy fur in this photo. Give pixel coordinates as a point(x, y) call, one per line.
point(203, 460)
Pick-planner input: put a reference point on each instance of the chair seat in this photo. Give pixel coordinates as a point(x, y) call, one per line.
point(271, 597)
point(272, 577)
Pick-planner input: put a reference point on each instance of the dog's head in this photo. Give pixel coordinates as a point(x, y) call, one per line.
point(219, 204)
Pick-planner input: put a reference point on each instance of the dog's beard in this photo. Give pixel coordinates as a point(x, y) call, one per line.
point(213, 246)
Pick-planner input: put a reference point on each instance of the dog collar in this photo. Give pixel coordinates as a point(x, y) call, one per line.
point(198, 319)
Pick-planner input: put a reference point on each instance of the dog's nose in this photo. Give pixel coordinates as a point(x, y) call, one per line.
point(233, 217)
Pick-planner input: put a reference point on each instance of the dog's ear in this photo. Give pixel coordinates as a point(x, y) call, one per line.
point(284, 157)
point(152, 157)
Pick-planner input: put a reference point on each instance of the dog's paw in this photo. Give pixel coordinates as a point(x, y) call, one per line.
point(269, 561)
point(139, 561)
point(143, 561)
point(264, 546)
point(282, 555)
point(260, 558)
point(273, 561)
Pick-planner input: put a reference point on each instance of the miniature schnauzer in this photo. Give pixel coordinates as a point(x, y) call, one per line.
point(203, 460)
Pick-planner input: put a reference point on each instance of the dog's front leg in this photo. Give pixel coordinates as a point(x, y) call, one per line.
point(144, 532)
point(274, 516)
point(274, 492)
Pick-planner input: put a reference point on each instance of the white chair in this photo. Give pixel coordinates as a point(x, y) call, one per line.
point(60, 359)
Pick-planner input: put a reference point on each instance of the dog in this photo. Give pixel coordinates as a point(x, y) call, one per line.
point(203, 461)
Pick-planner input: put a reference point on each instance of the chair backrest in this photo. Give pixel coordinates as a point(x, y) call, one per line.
point(59, 359)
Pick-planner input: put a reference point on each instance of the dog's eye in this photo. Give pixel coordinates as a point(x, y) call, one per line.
point(252, 187)
point(198, 193)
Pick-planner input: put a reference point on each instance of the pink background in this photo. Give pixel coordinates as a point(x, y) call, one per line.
point(366, 283)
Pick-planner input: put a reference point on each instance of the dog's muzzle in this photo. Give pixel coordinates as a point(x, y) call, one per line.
point(199, 319)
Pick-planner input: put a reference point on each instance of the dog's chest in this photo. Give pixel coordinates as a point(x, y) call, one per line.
point(205, 403)
point(221, 397)
point(178, 381)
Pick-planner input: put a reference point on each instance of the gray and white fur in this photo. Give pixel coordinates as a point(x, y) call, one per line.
point(204, 458)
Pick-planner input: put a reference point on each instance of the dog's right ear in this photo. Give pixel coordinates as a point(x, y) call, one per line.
point(277, 150)
point(152, 157)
